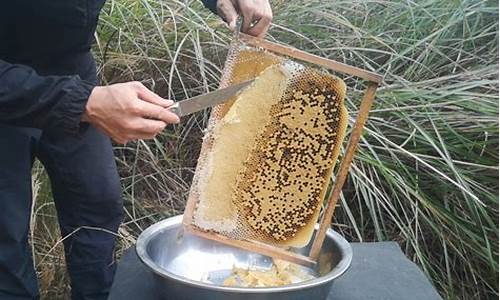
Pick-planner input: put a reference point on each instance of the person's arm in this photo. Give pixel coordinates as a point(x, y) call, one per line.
point(257, 14)
point(45, 102)
point(124, 111)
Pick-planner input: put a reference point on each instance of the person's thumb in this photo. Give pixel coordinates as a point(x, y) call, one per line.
point(228, 12)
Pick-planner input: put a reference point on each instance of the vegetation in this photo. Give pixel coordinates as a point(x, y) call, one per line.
point(426, 173)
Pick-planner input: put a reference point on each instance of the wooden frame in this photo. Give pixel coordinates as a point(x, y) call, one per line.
point(310, 260)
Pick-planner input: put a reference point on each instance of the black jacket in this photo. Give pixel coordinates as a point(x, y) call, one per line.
point(35, 36)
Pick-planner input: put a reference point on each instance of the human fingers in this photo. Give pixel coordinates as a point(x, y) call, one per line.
point(147, 95)
point(150, 127)
point(247, 10)
point(138, 128)
point(227, 10)
point(264, 17)
point(146, 109)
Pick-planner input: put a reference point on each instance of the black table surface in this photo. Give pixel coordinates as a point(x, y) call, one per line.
point(378, 271)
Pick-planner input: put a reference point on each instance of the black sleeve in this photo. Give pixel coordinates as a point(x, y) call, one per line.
point(46, 102)
point(211, 4)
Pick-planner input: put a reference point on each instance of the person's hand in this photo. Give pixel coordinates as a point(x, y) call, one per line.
point(257, 15)
point(128, 111)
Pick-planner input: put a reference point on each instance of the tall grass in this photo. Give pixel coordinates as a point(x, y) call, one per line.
point(426, 173)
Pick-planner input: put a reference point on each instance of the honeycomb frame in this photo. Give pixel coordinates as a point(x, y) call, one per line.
point(279, 52)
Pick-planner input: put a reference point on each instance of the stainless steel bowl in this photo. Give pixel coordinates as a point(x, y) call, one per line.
point(183, 262)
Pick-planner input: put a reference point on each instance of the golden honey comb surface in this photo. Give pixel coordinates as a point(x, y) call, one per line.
point(280, 189)
point(233, 137)
point(268, 154)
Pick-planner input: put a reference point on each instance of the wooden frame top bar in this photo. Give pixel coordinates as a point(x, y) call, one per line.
point(302, 55)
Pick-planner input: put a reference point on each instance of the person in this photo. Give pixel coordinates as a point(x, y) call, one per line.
point(51, 108)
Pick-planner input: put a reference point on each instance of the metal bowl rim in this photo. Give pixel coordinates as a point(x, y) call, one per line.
point(154, 229)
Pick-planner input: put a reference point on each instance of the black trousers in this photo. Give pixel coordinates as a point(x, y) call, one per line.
point(87, 195)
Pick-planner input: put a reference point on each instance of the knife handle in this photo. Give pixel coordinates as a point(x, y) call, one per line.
point(175, 109)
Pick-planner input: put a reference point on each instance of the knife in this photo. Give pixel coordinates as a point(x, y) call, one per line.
point(192, 105)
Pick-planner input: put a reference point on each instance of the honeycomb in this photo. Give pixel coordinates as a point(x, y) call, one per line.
point(245, 64)
point(281, 273)
point(268, 154)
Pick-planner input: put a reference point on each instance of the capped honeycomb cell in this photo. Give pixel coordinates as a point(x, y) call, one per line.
point(269, 153)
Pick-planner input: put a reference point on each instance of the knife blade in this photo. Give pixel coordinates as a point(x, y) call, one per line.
point(192, 105)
